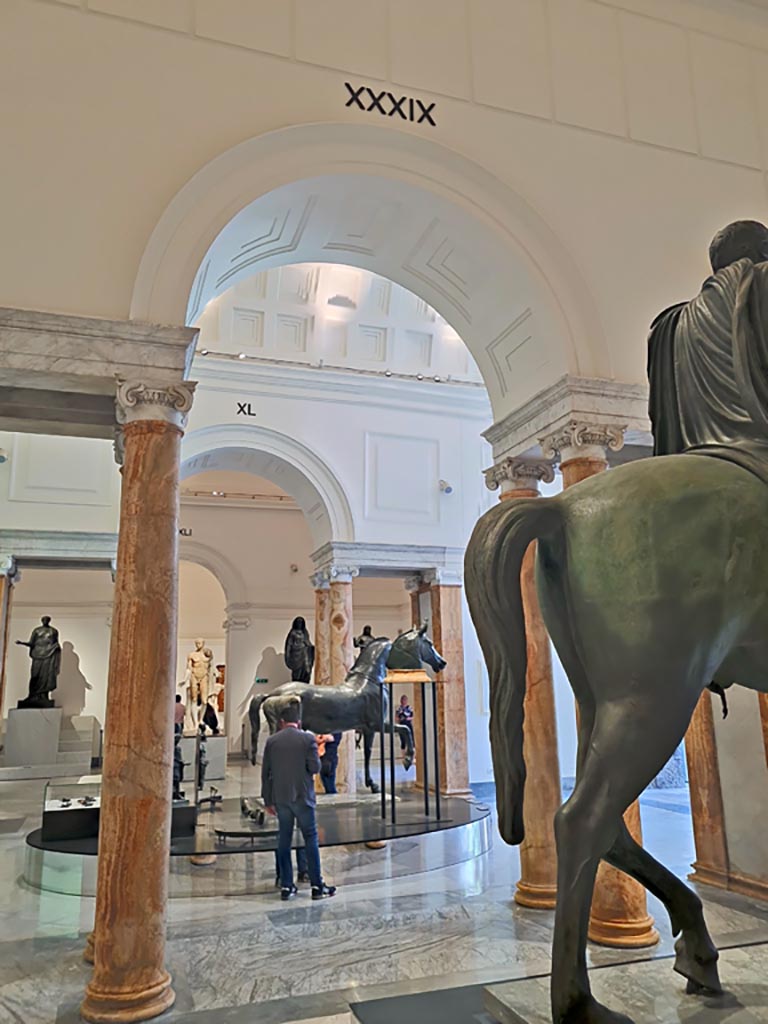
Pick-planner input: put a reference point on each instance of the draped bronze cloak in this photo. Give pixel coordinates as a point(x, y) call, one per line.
point(708, 371)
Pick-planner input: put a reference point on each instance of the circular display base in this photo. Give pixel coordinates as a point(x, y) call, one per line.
point(244, 865)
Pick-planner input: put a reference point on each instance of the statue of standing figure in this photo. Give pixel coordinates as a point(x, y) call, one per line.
point(299, 652)
point(200, 679)
point(45, 652)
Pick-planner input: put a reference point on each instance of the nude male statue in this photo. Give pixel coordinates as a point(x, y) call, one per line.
point(199, 679)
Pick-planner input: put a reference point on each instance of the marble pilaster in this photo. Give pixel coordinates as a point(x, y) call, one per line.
point(619, 907)
point(9, 575)
point(321, 583)
point(130, 981)
point(711, 864)
point(537, 886)
point(448, 638)
point(341, 658)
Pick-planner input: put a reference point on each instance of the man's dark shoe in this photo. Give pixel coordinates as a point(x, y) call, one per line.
point(288, 893)
point(323, 892)
point(303, 876)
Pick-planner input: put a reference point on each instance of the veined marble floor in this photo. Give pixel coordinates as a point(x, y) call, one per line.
point(303, 961)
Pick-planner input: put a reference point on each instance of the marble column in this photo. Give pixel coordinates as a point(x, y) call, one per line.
point(321, 583)
point(619, 907)
point(537, 886)
point(130, 981)
point(445, 589)
point(9, 576)
point(763, 702)
point(342, 657)
point(711, 865)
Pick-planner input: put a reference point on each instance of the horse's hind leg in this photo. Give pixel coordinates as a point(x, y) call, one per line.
point(589, 824)
point(696, 953)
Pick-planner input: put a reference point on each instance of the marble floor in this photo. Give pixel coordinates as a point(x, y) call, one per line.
point(301, 961)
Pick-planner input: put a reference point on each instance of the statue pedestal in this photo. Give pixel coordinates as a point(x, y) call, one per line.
point(32, 736)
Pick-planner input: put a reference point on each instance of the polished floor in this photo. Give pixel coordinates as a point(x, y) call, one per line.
point(456, 926)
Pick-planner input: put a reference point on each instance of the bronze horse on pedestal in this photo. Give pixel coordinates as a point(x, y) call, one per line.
point(359, 702)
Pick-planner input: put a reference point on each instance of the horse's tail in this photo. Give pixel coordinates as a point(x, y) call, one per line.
point(492, 578)
point(255, 719)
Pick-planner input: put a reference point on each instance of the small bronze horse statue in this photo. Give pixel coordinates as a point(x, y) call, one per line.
point(359, 702)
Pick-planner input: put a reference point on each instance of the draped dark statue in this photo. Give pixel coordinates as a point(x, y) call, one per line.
point(652, 581)
point(45, 652)
point(299, 651)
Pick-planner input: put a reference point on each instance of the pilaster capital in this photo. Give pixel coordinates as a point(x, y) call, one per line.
point(512, 474)
point(582, 439)
point(9, 569)
point(136, 401)
point(237, 618)
point(321, 580)
point(342, 573)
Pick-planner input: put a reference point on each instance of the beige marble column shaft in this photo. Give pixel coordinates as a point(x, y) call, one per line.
point(342, 657)
point(711, 865)
point(620, 915)
point(537, 886)
point(130, 981)
point(8, 578)
point(322, 630)
point(448, 638)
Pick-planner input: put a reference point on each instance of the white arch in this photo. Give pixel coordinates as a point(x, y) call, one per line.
point(281, 459)
point(228, 575)
point(522, 283)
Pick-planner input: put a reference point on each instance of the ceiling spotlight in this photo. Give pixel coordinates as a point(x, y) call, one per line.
point(437, 379)
point(241, 355)
point(445, 487)
point(419, 376)
point(203, 351)
point(387, 373)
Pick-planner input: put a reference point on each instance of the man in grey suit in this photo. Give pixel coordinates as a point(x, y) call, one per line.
point(287, 788)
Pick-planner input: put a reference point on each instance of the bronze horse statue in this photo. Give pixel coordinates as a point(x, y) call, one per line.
point(652, 583)
point(359, 702)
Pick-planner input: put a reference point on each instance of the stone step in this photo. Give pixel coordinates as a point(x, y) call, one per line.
point(73, 757)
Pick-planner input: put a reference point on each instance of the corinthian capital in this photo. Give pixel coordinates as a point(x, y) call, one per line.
point(579, 438)
point(518, 474)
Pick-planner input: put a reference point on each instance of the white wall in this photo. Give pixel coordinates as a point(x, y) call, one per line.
point(631, 128)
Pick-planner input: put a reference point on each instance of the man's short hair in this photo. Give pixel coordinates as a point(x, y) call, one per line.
point(291, 710)
point(743, 239)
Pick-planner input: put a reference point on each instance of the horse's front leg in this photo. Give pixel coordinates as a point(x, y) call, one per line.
point(368, 748)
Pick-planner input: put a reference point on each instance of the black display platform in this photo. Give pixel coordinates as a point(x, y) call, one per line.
point(337, 825)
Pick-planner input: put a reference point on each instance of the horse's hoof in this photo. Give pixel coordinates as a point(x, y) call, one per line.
point(701, 973)
point(589, 1011)
point(407, 763)
point(373, 787)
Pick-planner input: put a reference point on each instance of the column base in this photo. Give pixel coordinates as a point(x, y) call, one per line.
point(624, 934)
point(536, 897)
point(376, 844)
point(203, 859)
point(104, 1007)
point(703, 875)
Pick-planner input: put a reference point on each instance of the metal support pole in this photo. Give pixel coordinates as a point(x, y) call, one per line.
point(392, 752)
point(382, 759)
point(436, 750)
point(424, 756)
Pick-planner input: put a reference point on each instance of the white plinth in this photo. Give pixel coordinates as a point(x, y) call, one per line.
point(32, 736)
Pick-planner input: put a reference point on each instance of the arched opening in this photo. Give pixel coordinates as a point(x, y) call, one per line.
point(402, 207)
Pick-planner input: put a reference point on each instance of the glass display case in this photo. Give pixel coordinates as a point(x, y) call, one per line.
point(71, 808)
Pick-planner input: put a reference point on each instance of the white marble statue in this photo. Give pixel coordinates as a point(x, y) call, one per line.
point(200, 681)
